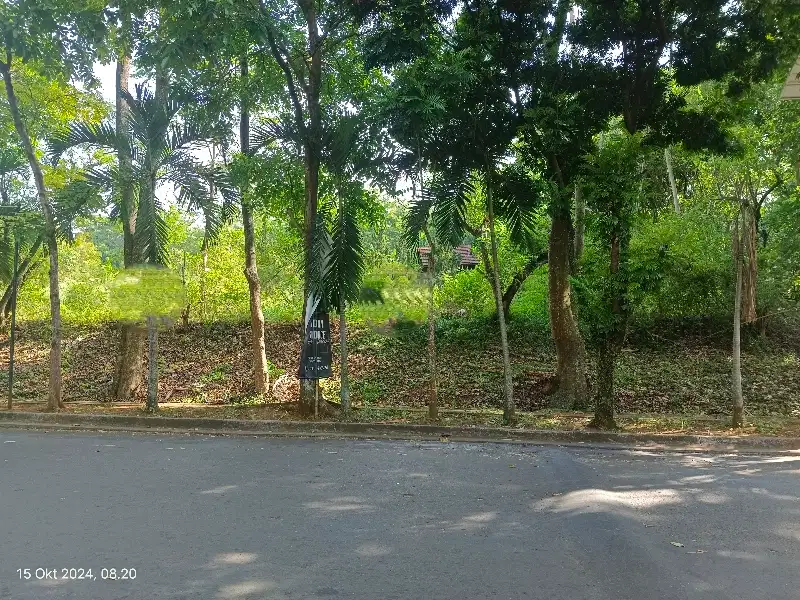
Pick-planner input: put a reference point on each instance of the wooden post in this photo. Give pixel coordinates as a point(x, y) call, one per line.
point(672, 185)
point(152, 364)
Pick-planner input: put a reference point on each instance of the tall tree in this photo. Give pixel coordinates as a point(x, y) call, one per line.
point(303, 58)
point(63, 36)
point(128, 375)
point(472, 137)
point(260, 366)
point(631, 42)
point(736, 363)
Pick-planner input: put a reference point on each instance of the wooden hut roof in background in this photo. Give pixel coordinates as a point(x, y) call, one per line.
point(466, 260)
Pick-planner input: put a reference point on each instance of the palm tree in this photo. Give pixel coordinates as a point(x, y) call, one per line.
point(160, 146)
point(345, 264)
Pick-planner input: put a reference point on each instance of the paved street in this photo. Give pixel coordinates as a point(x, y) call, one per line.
point(242, 518)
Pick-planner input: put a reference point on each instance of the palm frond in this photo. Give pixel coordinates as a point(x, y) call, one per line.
point(227, 189)
point(517, 197)
point(320, 256)
point(188, 177)
point(346, 266)
point(6, 258)
point(151, 232)
point(103, 178)
point(185, 136)
point(339, 143)
point(102, 135)
point(268, 132)
point(449, 198)
point(150, 119)
point(416, 219)
point(79, 196)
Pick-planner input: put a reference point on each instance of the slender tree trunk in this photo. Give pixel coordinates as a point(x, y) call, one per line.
point(344, 387)
point(312, 155)
point(129, 369)
point(152, 364)
point(509, 410)
point(571, 384)
point(54, 401)
point(580, 223)
point(738, 399)
point(433, 371)
point(125, 192)
point(675, 201)
point(22, 272)
point(749, 259)
point(204, 267)
point(261, 383)
point(13, 334)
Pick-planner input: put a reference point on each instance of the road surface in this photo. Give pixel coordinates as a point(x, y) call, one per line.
point(201, 518)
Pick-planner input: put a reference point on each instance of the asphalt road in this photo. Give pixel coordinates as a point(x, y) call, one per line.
point(243, 518)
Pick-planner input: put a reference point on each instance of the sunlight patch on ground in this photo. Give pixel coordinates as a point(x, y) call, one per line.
point(597, 500)
point(790, 531)
point(373, 550)
point(773, 495)
point(476, 521)
point(712, 498)
point(346, 503)
point(220, 490)
point(233, 558)
point(698, 479)
point(740, 555)
point(245, 589)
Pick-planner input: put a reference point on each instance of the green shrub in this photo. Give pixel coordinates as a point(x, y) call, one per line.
point(83, 283)
point(530, 306)
point(465, 290)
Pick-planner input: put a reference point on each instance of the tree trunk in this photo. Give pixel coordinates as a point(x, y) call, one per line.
point(129, 371)
point(258, 348)
point(673, 187)
point(22, 272)
point(571, 384)
point(344, 387)
point(126, 195)
point(509, 410)
point(738, 399)
point(612, 342)
point(433, 374)
point(750, 265)
point(312, 156)
point(580, 223)
point(204, 269)
point(604, 400)
point(54, 401)
point(152, 364)
point(13, 334)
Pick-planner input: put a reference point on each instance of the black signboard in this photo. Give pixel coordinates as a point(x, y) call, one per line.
point(315, 360)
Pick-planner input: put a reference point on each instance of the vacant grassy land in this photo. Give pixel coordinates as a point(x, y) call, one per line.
point(209, 365)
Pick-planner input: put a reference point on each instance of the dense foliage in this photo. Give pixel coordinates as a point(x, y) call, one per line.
point(277, 149)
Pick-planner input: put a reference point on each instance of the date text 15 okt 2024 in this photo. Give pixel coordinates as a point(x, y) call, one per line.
point(78, 574)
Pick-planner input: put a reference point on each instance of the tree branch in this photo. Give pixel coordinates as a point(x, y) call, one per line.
point(280, 57)
point(519, 279)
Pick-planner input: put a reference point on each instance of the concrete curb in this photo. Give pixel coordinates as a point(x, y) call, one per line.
point(90, 422)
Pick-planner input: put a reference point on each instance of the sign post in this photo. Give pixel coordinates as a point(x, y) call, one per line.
point(315, 358)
